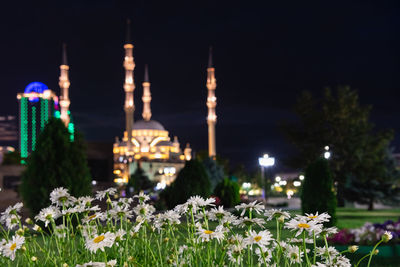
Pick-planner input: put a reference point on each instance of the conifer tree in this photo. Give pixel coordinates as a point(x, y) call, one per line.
point(56, 162)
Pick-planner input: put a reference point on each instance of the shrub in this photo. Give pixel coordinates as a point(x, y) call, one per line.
point(139, 181)
point(191, 180)
point(56, 162)
point(318, 192)
point(228, 192)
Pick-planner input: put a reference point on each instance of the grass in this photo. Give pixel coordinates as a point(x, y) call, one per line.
point(353, 218)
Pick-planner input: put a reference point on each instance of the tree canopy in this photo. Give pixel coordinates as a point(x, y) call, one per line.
point(56, 162)
point(339, 121)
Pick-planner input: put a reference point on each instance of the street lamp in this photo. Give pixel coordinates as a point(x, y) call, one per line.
point(327, 153)
point(265, 162)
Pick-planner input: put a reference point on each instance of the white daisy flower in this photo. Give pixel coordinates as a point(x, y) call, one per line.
point(119, 235)
point(144, 210)
point(102, 194)
point(264, 254)
point(219, 213)
point(262, 238)
point(142, 197)
point(110, 263)
point(276, 213)
point(48, 214)
point(169, 217)
point(197, 202)
point(256, 206)
point(12, 221)
point(206, 235)
point(60, 197)
point(120, 211)
point(100, 242)
point(303, 225)
point(323, 217)
point(85, 201)
point(294, 254)
point(10, 248)
point(11, 210)
point(235, 253)
point(89, 218)
point(387, 236)
point(322, 252)
point(341, 261)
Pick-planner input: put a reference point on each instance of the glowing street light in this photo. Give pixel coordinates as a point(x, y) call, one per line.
point(327, 154)
point(265, 161)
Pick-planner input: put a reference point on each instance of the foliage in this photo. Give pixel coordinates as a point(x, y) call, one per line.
point(384, 188)
point(191, 180)
point(317, 192)
point(339, 121)
point(55, 162)
point(214, 171)
point(202, 155)
point(139, 181)
point(228, 192)
point(12, 158)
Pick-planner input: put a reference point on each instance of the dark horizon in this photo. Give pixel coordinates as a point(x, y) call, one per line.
point(265, 54)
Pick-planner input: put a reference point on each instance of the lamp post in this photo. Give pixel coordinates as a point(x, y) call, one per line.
point(265, 161)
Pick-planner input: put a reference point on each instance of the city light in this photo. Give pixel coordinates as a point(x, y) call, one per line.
point(297, 183)
point(301, 177)
point(266, 161)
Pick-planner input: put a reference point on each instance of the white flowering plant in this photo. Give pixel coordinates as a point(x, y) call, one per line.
point(129, 232)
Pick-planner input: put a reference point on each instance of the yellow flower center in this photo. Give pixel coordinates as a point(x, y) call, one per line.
point(98, 239)
point(208, 232)
point(303, 225)
point(257, 238)
point(13, 246)
point(312, 217)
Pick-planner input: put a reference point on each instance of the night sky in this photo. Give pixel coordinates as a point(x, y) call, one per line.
point(265, 54)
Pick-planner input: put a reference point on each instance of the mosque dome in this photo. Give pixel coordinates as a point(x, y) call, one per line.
point(148, 125)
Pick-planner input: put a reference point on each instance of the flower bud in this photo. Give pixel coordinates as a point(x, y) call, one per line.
point(125, 264)
point(281, 219)
point(23, 248)
point(20, 232)
point(353, 249)
point(376, 251)
point(29, 221)
point(387, 236)
point(37, 228)
point(65, 265)
point(33, 259)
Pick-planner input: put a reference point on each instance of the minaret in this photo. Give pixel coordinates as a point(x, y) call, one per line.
point(64, 86)
point(129, 86)
point(211, 104)
point(146, 95)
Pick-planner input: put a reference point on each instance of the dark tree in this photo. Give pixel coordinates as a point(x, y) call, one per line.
point(214, 171)
point(56, 162)
point(317, 193)
point(228, 192)
point(340, 122)
point(192, 180)
point(139, 181)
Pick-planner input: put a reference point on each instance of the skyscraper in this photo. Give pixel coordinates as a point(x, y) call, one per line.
point(36, 104)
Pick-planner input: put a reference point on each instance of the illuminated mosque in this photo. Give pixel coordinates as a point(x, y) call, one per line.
point(146, 143)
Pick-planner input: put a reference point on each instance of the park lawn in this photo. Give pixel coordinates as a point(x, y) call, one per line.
point(353, 218)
